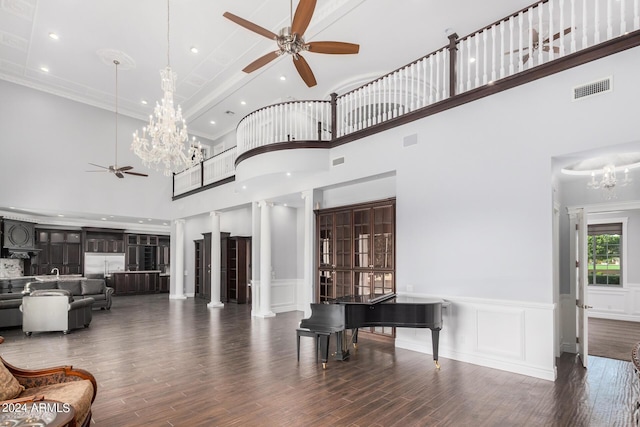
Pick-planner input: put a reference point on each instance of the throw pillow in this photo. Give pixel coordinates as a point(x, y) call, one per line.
point(10, 388)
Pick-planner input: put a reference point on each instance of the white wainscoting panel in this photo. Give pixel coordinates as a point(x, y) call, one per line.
point(615, 303)
point(501, 332)
point(513, 336)
point(568, 324)
point(284, 295)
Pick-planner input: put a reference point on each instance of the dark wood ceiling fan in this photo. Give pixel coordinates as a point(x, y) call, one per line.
point(545, 44)
point(114, 169)
point(291, 41)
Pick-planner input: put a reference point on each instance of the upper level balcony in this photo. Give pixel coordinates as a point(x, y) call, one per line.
point(545, 38)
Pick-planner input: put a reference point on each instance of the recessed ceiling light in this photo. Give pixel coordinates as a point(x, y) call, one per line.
point(12, 207)
point(244, 187)
point(104, 219)
point(283, 78)
point(472, 60)
point(148, 219)
point(44, 69)
point(243, 102)
point(193, 49)
point(213, 122)
point(288, 173)
point(144, 102)
point(54, 36)
point(141, 221)
point(60, 215)
point(164, 223)
point(285, 205)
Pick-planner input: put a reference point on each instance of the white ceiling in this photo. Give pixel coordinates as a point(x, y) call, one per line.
point(390, 33)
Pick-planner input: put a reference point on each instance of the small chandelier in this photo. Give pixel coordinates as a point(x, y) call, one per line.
point(608, 180)
point(162, 144)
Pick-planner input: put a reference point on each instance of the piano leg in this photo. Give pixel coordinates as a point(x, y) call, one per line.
point(323, 338)
point(342, 351)
point(354, 335)
point(435, 338)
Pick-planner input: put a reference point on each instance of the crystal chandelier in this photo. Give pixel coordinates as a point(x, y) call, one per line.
point(608, 180)
point(163, 141)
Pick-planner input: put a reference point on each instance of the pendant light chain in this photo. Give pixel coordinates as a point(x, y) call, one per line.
point(168, 38)
point(115, 61)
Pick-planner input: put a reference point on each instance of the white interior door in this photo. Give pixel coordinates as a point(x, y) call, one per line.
point(581, 260)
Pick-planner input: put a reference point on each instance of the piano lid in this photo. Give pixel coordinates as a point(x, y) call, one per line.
point(365, 299)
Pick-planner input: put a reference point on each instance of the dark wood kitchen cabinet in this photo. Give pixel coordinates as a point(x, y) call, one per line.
point(61, 249)
point(102, 240)
point(141, 252)
point(142, 282)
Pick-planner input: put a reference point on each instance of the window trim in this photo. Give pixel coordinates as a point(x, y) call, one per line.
point(623, 220)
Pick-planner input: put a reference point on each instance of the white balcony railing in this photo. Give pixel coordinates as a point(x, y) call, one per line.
point(537, 35)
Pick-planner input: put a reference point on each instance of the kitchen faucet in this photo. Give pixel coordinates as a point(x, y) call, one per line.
point(56, 270)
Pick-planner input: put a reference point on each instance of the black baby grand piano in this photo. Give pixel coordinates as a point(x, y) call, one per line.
point(358, 311)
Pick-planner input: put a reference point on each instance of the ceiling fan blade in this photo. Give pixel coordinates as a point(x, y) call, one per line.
point(556, 36)
point(261, 62)
point(302, 17)
point(334, 48)
point(136, 173)
point(98, 166)
point(119, 174)
point(125, 168)
point(304, 70)
point(98, 171)
point(250, 26)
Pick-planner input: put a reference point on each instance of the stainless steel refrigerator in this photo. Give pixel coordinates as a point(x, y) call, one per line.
point(101, 265)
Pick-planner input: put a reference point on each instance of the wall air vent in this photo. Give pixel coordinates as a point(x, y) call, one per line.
point(337, 161)
point(593, 88)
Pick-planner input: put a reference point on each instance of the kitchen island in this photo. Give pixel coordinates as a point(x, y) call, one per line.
point(138, 282)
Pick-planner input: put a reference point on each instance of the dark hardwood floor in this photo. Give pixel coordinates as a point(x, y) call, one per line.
point(177, 363)
point(612, 338)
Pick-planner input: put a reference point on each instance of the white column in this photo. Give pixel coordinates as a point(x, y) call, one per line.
point(307, 294)
point(179, 270)
point(265, 260)
point(215, 261)
point(255, 259)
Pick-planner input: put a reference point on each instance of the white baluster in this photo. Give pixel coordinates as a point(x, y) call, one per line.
point(530, 45)
point(484, 57)
point(551, 33)
point(540, 14)
point(477, 59)
point(396, 101)
point(468, 43)
point(596, 33)
point(573, 26)
point(511, 48)
point(585, 25)
point(502, 25)
point(423, 100)
point(609, 20)
point(413, 83)
point(520, 41)
point(460, 73)
point(623, 18)
point(561, 53)
point(431, 58)
point(494, 65)
point(437, 76)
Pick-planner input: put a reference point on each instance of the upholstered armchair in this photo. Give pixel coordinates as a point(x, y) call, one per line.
point(64, 384)
point(54, 310)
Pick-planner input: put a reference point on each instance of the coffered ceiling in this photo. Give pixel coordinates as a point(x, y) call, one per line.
point(211, 86)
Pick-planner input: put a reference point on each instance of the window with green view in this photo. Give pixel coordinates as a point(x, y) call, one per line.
point(605, 254)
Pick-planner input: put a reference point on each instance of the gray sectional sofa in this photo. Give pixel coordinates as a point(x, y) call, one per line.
point(11, 316)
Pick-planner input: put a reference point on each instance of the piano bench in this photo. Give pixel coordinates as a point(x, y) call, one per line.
point(304, 332)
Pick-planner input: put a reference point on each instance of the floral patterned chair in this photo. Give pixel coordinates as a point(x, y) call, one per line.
point(64, 384)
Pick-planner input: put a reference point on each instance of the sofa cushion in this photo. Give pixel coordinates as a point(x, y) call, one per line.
point(76, 393)
point(93, 286)
point(72, 286)
point(9, 385)
point(38, 286)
